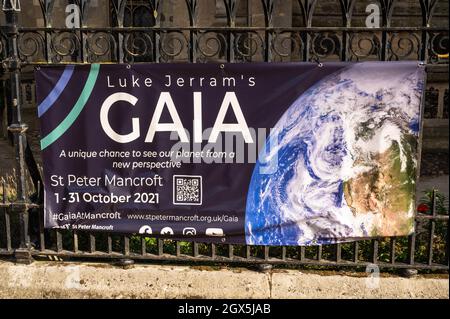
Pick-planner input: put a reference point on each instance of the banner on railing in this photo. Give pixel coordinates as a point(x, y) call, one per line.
point(257, 153)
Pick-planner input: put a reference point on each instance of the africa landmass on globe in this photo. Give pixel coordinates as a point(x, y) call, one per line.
point(344, 158)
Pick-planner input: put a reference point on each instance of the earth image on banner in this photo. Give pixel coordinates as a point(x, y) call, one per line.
point(345, 160)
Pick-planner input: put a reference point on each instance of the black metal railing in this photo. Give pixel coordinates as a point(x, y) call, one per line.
point(22, 235)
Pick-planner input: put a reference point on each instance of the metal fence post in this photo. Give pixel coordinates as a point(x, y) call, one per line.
point(12, 65)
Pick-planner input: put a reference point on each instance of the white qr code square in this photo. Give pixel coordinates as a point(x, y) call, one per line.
point(187, 190)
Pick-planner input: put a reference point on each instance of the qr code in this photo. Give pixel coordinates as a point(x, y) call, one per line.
point(187, 190)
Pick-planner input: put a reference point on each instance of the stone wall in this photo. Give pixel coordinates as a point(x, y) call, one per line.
point(75, 280)
point(250, 12)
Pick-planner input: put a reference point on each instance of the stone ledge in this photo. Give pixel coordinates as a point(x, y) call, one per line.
point(346, 287)
point(95, 280)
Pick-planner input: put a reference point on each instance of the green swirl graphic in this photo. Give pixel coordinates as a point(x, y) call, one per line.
point(76, 110)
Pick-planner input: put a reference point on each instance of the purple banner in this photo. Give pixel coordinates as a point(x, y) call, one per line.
point(260, 153)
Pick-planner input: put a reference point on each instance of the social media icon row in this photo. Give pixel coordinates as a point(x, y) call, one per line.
point(187, 231)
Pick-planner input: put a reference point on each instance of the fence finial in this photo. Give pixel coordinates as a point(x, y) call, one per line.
point(11, 5)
